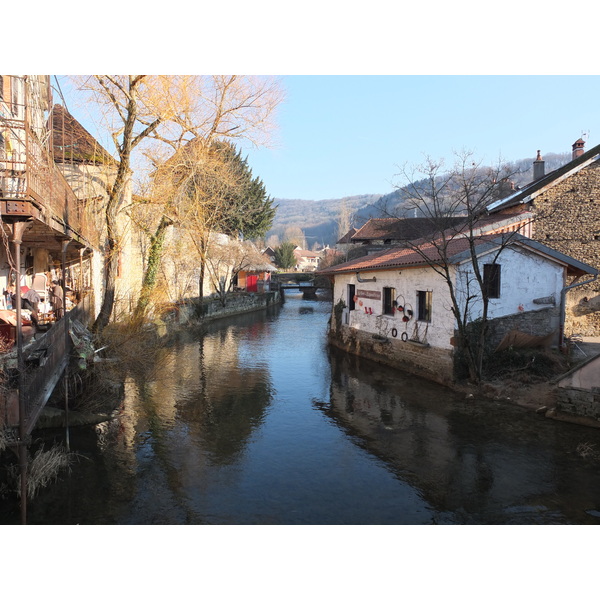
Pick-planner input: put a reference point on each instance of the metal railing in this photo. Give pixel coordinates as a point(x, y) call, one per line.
point(44, 367)
point(47, 186)
point(28, 172)
point(45, 362)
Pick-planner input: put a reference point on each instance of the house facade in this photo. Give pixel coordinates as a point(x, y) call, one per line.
point(566, 205)
point(306, 260)
point(46, 239)
point(90, 170)
point(395, 307)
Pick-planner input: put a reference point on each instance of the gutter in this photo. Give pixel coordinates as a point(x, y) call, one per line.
point(563, 302)
point(361, 280)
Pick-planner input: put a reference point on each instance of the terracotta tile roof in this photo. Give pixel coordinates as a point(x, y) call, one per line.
point(345, 239)
point(73, 143)
point(404, 257)
point(402, 229)
point(456, 251)
point(306, 253)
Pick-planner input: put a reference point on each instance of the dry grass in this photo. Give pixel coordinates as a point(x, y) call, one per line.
point(135, 349)
point(43, 469)
point(588, 451)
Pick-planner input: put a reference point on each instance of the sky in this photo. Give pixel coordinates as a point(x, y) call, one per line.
point(345, 135)
point(369, 90)
point(348, 135)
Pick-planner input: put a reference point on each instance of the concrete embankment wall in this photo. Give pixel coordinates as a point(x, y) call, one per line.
point(193, 311)
point(578, 392)
point(435, 364)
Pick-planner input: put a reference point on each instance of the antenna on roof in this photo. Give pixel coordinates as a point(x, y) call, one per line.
point(585, 135)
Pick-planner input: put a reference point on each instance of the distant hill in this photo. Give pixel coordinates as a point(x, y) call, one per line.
point(318, 219)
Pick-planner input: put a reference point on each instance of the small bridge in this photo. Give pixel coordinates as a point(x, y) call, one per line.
point(297, 281)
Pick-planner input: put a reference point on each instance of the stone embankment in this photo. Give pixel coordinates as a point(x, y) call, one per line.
point(236, 304)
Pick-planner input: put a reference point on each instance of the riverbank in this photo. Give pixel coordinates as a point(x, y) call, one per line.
point(210, 310)
point(541, 397)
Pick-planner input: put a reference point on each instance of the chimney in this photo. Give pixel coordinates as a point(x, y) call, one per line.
point(539, 167)
point(578, 148)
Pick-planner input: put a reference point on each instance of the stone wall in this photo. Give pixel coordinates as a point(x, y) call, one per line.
point(435, 364)
point(578, 391)
point(536, 322)
point(579, 403)
point(569, 221)
point(191, 310)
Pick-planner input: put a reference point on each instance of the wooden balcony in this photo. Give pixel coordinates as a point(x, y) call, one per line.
point(33, 189)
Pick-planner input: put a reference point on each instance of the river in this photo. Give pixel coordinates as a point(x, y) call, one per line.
point(257, 421)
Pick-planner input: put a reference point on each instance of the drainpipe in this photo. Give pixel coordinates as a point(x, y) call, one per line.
point(563, 307)
point(361, 280)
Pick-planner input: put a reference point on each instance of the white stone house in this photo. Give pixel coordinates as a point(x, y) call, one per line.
point(397, 308)
point(307, 260)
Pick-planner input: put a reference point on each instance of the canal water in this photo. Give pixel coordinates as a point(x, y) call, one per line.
point(257, 421)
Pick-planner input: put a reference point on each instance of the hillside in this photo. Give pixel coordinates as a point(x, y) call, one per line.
point(319, 219)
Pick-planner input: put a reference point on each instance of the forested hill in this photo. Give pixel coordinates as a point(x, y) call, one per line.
point(319, 219)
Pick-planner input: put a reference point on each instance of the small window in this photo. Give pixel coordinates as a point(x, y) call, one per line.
point(491, 281)
point(389, 295)
point(424, 306)
point(351, 294)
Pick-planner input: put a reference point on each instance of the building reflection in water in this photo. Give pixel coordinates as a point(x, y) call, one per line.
point(472, 462)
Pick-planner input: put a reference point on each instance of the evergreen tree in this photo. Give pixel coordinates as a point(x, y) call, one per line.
point(251, 211)
point(284, 256)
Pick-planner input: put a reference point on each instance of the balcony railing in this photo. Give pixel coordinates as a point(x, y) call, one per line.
point(28, 173)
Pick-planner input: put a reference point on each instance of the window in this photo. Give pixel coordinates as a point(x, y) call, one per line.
point(491, 281)
point(424, 306)
point(389, 295)
point(351, 294)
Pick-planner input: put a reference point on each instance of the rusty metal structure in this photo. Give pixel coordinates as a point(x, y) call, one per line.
point(39, 212)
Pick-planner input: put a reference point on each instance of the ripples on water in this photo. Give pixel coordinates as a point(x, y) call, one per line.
point(258, 422)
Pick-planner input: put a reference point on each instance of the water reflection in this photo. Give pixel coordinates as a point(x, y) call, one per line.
point(254, 420)
point(472, 462)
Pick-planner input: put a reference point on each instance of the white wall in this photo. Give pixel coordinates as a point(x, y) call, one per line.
point(406, 283)
point(524, 276)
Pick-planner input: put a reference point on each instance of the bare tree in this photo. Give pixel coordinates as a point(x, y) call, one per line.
point(295, 235)
point(227, 258)
point(169, 111)
point(453, 203)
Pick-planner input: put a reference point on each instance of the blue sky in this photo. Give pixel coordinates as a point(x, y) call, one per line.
point(347, 135)
point(343, 135)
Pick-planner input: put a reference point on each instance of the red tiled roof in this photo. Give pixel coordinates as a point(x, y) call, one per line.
point(425, 254)
point(306, 253)
point(72, 142)
point(346, 238)
point(402, 229)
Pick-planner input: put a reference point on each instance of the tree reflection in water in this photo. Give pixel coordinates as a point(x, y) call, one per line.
point(254, 420)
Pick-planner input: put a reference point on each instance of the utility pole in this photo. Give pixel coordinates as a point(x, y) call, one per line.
point(19, 227)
